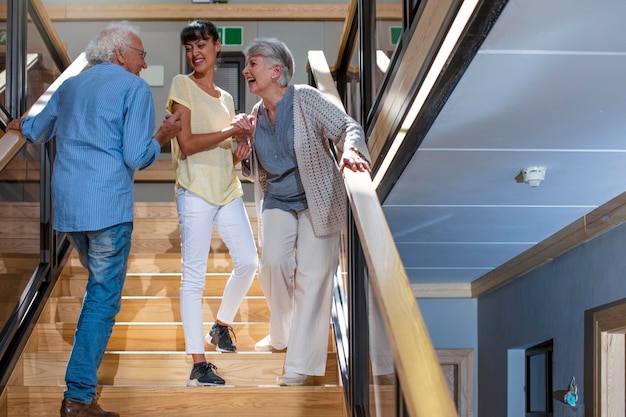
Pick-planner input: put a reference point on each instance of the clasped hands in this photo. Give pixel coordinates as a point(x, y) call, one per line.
point(243, 125)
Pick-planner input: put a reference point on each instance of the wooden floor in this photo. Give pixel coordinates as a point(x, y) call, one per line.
point(145, 369)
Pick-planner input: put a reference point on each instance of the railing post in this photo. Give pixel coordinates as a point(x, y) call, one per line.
point(358, 361)
point(45, 207)
point(16, 57)
point(367, 55)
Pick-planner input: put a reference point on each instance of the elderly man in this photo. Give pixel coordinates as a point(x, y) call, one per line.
point(103, 121)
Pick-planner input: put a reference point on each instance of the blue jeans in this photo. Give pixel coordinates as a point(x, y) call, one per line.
point(105, 255)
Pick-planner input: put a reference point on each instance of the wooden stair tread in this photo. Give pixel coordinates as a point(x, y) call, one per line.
point(142, 336)
point(155, 309)
point(162, 210)
point(20, 263)
point(165, 401)
point(166, 336)
point(156, 284)
point(158, 263)
point(154, 368)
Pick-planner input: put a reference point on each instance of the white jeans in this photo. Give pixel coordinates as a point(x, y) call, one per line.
point(296, 275)
point(196, 218)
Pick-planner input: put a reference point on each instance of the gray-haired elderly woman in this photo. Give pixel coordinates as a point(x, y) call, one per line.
point(302, 202)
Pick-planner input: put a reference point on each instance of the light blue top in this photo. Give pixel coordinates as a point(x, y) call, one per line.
point(274, 148)
point(103, 120)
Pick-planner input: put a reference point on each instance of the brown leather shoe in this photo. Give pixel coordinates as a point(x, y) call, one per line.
point(71, 408)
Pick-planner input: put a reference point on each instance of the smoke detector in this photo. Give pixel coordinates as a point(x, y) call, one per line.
point(534, 176)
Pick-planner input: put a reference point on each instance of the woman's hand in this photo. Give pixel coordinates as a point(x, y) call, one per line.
point(242, 151)
point(353, 161)
point(244, 126)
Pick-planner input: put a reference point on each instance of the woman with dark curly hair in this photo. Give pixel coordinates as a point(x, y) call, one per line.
point(208, 192)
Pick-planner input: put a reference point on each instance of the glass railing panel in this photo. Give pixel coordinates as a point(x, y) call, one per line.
point(353, 93)
point(348, 65)
point(19, 228)
point(383, 381)
point(20, 212)
point(388, 30)
point(384, 38)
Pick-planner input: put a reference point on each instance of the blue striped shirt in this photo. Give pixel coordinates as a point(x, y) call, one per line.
point(103, 120)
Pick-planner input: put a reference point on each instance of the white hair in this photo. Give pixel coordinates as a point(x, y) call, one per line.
point(102, 48)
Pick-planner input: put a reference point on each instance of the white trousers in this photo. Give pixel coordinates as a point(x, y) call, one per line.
point(196, 218)
point(296, 275)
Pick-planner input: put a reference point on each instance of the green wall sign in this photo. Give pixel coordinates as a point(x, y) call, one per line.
point(394, 34)
point(231, 35)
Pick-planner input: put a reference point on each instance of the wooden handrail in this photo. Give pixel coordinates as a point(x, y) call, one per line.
point(12, 141)
point(423, 384)
point(414, 355)
point(48, 33)
point(347, 37)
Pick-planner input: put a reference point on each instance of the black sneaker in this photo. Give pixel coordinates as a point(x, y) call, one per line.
point(220, 337)
point(202, 374)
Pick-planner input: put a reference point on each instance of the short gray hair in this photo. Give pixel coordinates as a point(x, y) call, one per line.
point(275, 52)
point(102, 48)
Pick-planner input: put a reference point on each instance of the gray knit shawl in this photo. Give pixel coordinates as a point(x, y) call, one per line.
point(316, 121)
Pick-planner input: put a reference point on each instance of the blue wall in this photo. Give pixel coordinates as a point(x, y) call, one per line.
point(452, 324)
point(547, 303)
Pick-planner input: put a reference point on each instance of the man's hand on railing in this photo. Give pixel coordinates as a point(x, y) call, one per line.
point(15, 124)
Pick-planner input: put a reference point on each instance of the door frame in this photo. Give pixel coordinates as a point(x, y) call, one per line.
point(607, 325)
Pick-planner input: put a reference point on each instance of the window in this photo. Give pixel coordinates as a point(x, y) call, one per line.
point(228, 77)
point(539, 380)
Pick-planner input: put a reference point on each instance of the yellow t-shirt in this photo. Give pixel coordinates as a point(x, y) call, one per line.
point(209, 174)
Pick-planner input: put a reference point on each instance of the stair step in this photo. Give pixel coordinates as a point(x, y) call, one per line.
point(163, 337)
point(155, 309)
point(145, 369)
point(136, 336)
point(158, 368)
point(162, 235)
point(157, 263)
point(18, 263)
point(146, 284)
point(164, 401)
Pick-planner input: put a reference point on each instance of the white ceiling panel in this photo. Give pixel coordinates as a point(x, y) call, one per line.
point(545, 89)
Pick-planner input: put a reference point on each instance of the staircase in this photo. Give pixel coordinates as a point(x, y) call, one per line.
point(145, 369)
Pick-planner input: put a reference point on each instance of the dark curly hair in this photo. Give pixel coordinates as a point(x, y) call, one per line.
point(199, 29)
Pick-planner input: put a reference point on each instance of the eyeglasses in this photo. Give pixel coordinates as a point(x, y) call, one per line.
point(142, 53)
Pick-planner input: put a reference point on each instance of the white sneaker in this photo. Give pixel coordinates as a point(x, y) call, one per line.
point(291, 379)
point(264, 345)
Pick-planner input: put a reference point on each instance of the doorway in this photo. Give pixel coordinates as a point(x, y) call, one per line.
point(606, 364)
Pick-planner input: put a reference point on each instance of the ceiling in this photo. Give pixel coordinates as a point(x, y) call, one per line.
point(545, 89)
